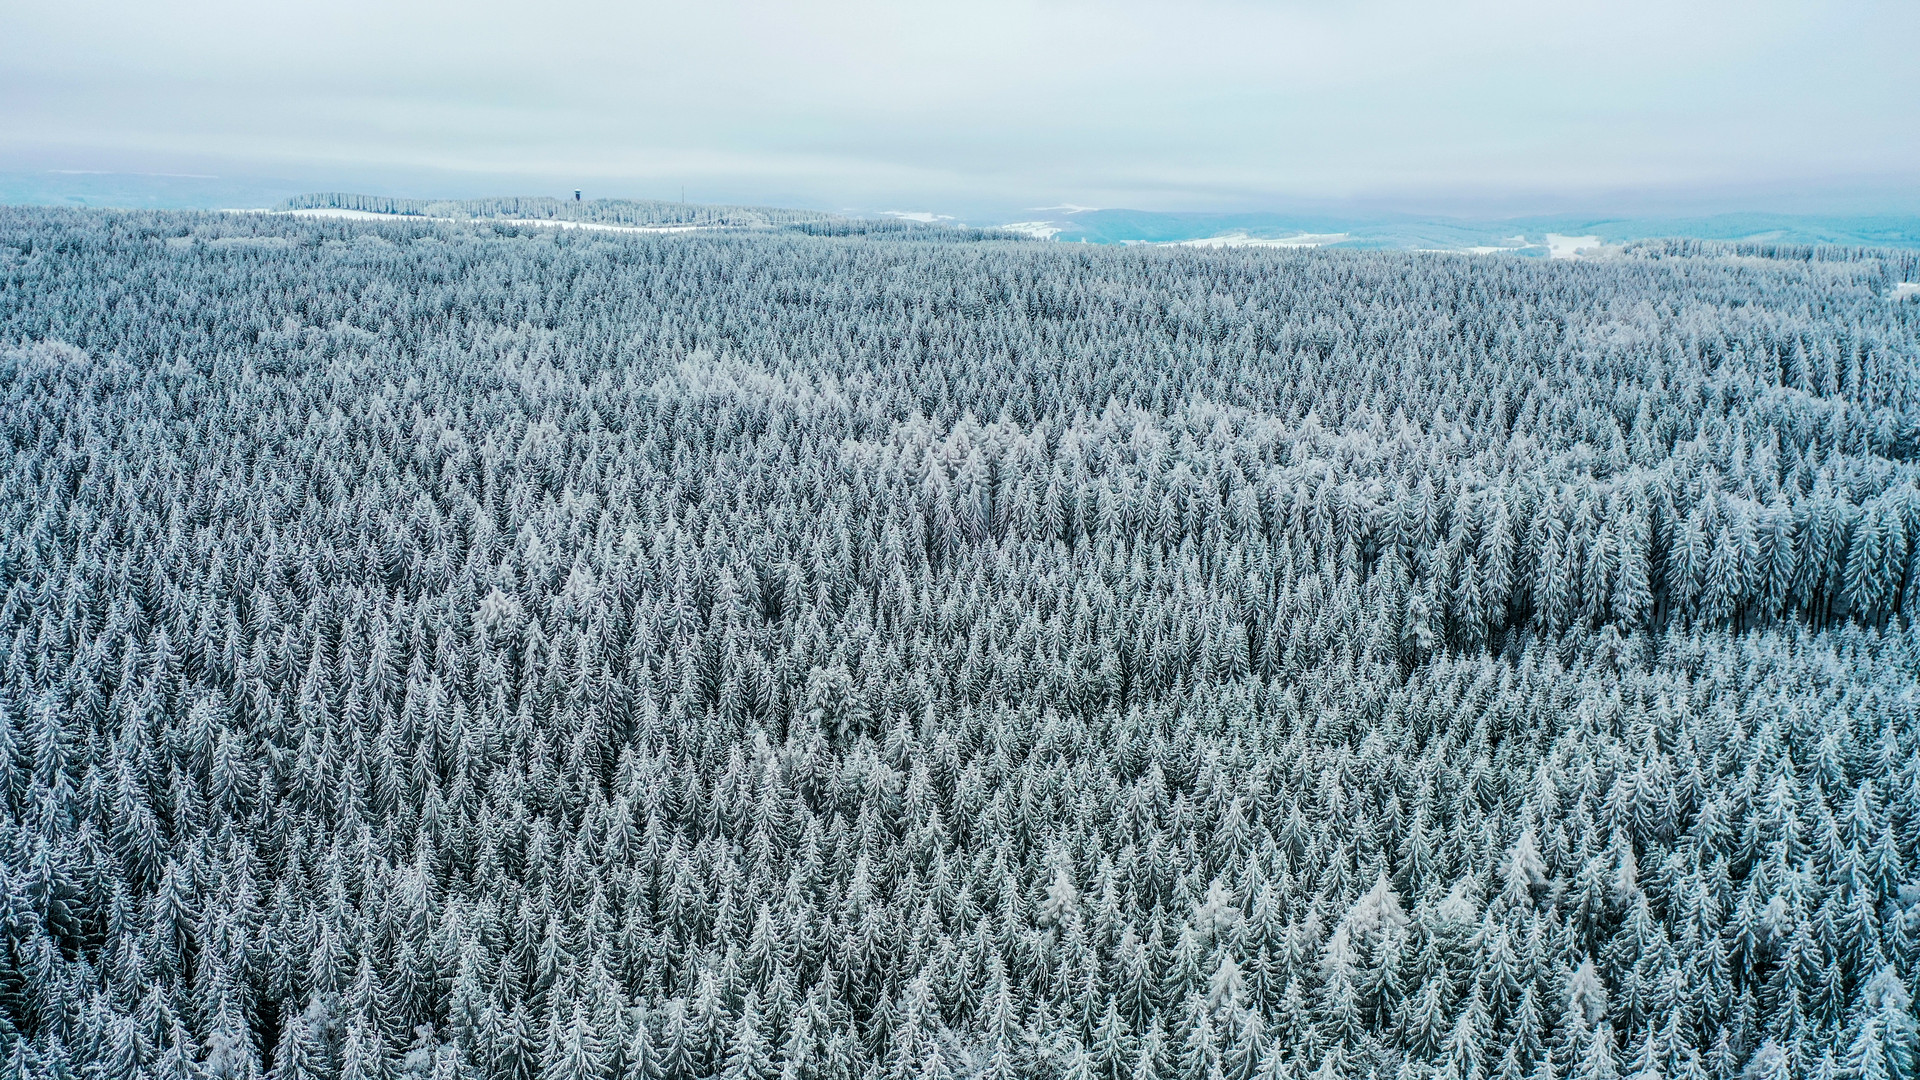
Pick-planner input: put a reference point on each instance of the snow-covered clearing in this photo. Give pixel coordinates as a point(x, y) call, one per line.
point(1906, 289)
point(1512, 245)
point(1039, 230)
point(1240, 239)
point(1570, 247)
point(924, 217)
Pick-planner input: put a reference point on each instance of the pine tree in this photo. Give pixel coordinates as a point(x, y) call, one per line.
point(642, 1060)
point(748, 1056)
point(1769, 1062)
point(363, 1052)
point(1883, 1040)
point(516, 1052)
point(1113, 1050)
point(1596, 1057)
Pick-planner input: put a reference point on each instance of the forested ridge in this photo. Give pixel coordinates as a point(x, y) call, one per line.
point(597, 211)
point(642, 213)
point(488, 652)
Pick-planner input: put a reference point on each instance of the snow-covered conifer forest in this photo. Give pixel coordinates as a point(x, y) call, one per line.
point(499, 653)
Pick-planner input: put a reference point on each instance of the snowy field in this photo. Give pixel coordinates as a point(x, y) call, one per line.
point(1570, 247)
point(1039, 230)
point(1242, 240)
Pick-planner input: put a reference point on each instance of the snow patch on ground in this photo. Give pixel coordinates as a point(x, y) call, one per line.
point(1512, 245)
point(1240, 239)
point(1906, 290)
point(1067, 208)
point(1571, 247)
point(924, 217)
point(1039, 230)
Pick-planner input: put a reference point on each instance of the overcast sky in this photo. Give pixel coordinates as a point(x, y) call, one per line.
point(1189, 105)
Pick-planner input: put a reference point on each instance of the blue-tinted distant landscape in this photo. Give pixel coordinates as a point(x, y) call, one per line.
point(1358, 230)
point(1447, 233)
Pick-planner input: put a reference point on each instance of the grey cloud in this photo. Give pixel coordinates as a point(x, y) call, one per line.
point(1117, 102)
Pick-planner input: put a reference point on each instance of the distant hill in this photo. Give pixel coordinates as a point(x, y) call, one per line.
point(633, 212)
point(1321, 227)
point(1525, 236)
point(646, 214)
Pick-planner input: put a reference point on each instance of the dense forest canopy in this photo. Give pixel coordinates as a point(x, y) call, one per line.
point(488, 652)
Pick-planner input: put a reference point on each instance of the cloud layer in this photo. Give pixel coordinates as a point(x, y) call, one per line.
point(859, 101)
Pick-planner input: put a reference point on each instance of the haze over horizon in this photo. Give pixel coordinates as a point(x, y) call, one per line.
point(1486, 108)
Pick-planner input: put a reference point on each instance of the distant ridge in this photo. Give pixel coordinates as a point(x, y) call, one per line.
point(644, 214)
point(1512, 235)
point(1901, 263)
point(637, 212)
